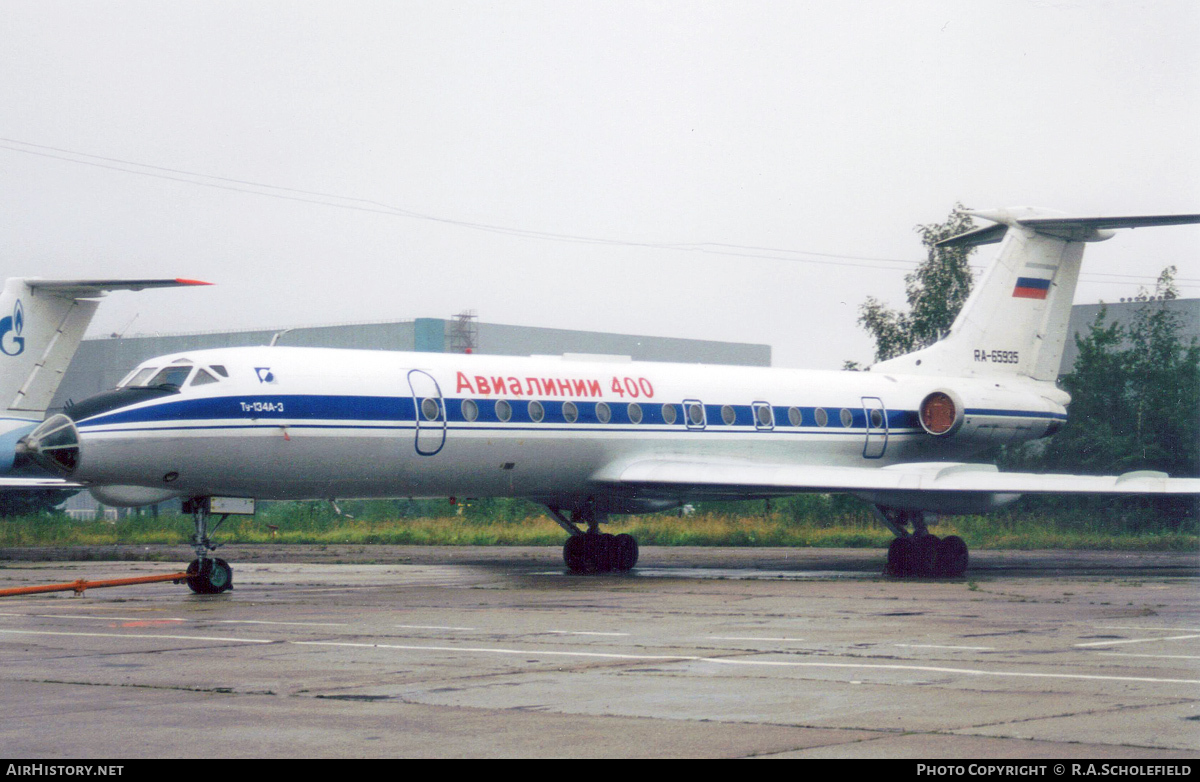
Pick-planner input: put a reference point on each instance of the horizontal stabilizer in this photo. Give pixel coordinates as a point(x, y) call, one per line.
point(987, 235)
point(80, 288)
point(1041, 224)
point(1077, 229)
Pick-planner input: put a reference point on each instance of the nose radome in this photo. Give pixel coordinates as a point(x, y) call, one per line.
point(54, 445)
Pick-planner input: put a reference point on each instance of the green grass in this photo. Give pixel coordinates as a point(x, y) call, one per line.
point(848, 527)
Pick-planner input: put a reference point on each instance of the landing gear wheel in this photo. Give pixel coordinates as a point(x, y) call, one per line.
point(596, 552)
point(924, 561)
point(587, 553)
point(575, 553)
point(900, 557)
point(209, 576)
point(601, 548)
point(625, 554)
point(952, 557)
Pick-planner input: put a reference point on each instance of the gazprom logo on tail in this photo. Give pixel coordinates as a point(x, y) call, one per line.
point(11, 341)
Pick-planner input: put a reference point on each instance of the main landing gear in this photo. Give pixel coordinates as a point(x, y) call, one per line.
point(207, 575)
point(920, 553)
point(594, 551)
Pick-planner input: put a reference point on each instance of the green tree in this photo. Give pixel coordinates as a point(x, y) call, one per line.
point(1135, 391)
point(936, 291)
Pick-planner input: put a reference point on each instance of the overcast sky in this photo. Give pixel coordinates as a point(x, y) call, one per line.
point(736, 171)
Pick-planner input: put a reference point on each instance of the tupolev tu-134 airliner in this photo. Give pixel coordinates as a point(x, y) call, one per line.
point(592, 436)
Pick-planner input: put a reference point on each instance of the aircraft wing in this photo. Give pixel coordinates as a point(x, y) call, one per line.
point(725, 478)
point(38, 483)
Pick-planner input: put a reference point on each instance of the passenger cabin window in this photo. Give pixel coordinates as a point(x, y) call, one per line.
point(570, 412)
point(728, 415)
point(503, 410)
point(603, 412)
point(536, 412)
point(794, 417)
point(847, 418)
point(470, 410)
point(821, 416)
point(635, 413)
point(668, 413)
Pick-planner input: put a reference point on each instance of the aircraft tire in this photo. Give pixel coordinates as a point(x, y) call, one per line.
point(625, 555)
point(606, 552)
point(592, 553)
point(575, 553)
point(210, 577)
point(924, 561)
point(952, 557)
point(900, 557)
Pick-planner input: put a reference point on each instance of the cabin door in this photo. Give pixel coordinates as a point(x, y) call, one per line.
point(431, 412)
point(877, 427)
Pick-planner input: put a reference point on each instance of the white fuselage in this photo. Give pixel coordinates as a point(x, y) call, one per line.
point(323, 423)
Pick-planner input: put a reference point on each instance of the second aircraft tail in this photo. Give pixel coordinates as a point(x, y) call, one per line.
point(41, 325)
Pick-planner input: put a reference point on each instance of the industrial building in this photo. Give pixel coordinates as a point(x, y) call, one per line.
point(1084, 315)
point(101, 363)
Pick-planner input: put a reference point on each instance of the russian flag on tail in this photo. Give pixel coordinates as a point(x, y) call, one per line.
point(1031, 288)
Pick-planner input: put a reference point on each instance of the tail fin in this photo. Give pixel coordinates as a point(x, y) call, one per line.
point(1015, 321)
point(41, 325)
point(40, 336)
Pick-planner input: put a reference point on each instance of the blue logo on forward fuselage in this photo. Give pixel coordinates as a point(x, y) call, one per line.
point(11, 341)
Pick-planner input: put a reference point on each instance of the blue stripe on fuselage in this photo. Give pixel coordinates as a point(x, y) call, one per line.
point(299, 408)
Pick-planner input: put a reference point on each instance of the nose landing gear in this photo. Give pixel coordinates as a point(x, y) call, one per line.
point(207, 575)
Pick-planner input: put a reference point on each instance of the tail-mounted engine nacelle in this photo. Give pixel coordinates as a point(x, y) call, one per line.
point(989, 416)
point(941, 413)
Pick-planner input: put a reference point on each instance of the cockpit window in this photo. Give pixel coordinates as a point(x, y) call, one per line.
point(203, 378)
point(220, 370)
point(140, 378)
point(171, 376)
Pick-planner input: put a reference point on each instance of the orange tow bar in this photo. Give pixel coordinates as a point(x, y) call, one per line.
point(78, 586)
